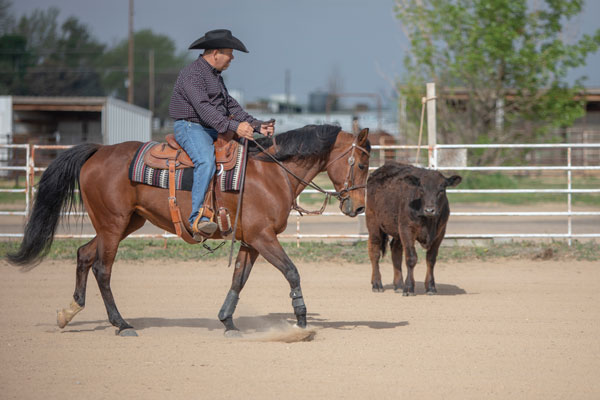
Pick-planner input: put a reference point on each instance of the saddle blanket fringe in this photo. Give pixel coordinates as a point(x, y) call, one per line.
point(184, 178)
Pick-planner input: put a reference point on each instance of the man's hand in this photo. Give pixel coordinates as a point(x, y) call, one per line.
point(268, 128)
point(245, 130)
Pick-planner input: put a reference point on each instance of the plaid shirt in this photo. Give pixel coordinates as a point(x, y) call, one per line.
point(200, 96)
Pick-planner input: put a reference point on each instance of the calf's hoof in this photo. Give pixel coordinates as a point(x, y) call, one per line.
point(377, 287)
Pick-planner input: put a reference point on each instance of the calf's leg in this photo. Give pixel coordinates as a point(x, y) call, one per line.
point(396, 247)
point(431, 258)
point(376, 245)
point(411, 260)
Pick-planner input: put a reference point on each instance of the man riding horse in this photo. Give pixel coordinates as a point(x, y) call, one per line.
point(203, 109)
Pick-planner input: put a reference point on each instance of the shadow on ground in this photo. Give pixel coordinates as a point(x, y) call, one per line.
point(257, 323)
point(442, 289)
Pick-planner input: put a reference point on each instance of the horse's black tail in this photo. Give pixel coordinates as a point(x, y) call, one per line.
point(384, 241)
point(56, 192)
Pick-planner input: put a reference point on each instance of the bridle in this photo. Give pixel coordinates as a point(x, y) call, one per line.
point(350, 175)
point(348, 183)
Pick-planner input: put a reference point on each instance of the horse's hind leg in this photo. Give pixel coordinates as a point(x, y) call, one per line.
point(86, 255)
point(108, 244)
point(243, 265)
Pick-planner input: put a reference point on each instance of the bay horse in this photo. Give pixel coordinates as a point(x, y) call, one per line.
point(117, 207)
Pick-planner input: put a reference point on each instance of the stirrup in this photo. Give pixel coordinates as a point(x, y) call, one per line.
point(203, 228)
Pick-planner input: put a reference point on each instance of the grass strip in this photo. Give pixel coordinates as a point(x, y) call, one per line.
point(353, 252)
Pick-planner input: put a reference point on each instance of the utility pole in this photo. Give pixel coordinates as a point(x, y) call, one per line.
point(151, 81)
point(130, 67)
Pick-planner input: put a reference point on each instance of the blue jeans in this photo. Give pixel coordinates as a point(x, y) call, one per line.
point(197, 141)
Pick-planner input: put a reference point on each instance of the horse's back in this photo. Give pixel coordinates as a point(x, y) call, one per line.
point(104, 177)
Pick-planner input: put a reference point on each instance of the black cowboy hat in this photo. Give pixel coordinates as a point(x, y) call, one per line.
point(219, 39)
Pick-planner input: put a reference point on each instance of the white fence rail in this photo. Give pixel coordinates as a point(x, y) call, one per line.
point(30, 169)
point(25, 168)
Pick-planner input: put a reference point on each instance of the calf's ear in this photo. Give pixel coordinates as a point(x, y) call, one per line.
point(453, 180)
point(362, 137)
point(412, 180)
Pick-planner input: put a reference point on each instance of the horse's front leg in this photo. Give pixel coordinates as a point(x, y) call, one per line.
point(269, 247)
point(243, 265)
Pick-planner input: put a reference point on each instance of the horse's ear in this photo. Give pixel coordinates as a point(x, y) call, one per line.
point(362, 137)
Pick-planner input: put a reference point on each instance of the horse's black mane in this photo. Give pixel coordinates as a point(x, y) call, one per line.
point(307, 142)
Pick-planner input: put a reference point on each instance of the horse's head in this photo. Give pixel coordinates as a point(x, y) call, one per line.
point(348, 168)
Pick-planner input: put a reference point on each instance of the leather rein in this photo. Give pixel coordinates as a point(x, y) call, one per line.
point(328, 194)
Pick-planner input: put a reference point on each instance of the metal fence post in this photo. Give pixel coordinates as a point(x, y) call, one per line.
point(28, 182)
point(569, 187)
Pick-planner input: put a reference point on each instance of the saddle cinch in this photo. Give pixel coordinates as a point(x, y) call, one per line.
point(171, 156)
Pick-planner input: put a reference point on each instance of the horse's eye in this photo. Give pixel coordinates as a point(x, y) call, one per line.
point(362, 166)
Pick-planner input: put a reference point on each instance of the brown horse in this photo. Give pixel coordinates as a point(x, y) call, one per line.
point(117, 207)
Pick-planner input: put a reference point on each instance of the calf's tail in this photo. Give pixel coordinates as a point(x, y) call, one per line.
point(384, 241)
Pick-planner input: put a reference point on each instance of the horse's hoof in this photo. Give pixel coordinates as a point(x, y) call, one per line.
point(408, 293)
point(431, 292)
point(233, 334)
point(296, 326)
point(126, 332)
point(398, 290)
point(301, 322)
point(61, 319)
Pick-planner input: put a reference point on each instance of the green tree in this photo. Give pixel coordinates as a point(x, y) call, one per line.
point(167, 64)
point(14, 59)
point(40, 58)
point(7, 20)
point(71, 69)
point(510, 58)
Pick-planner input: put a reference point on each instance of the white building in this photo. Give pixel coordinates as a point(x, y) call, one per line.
point(68, 121)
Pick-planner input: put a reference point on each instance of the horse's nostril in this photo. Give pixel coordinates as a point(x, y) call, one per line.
point(360, 210)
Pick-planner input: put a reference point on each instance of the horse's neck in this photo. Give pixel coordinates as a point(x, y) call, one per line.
point(304, 170)
point(306, 173)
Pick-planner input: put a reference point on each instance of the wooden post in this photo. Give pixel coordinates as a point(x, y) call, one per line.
point(431, 125)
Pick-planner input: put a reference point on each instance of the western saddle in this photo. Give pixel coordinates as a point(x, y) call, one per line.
point(171, 156)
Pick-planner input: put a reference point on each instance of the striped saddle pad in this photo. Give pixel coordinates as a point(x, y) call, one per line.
point(228, 181)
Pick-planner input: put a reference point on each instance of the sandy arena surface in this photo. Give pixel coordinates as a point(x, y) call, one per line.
point(510, 329)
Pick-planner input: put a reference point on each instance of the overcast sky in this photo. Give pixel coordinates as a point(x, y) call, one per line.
point(358, 40)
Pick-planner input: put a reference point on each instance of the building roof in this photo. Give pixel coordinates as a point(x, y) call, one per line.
point(42, 103)
point(93, 104)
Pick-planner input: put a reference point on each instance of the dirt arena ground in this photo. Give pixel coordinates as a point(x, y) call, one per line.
point(497, 330)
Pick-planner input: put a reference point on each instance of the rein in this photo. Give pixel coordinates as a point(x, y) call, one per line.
point(328, 194)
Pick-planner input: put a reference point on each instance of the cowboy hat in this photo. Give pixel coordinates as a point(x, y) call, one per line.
point(219, 39)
